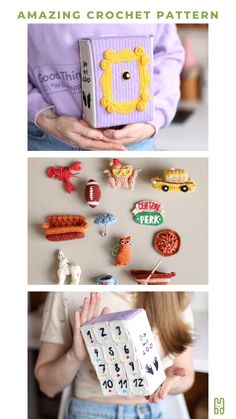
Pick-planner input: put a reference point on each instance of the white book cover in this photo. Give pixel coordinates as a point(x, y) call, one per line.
point(122, 350)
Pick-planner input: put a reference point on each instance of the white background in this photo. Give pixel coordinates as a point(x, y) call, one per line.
point(14, 196)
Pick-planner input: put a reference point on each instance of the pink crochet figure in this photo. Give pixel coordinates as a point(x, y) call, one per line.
point(121, 176)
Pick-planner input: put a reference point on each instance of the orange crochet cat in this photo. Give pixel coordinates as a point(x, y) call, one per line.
point(123, 255)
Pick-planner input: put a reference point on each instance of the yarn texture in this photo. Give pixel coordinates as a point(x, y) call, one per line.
point(174, 180)
point(64, 173)
point(125, 56)
point(124, 254)
point(121, 176)
point(65, 227)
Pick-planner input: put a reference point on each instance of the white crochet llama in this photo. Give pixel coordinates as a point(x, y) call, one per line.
point(67, 269)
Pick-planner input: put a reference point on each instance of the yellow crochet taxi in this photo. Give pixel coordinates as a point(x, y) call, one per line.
point(174, 180)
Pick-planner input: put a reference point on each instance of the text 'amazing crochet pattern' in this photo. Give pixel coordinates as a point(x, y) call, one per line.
point(117, 80)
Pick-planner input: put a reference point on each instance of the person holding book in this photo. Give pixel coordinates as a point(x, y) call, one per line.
point(63, 358)
point(55, 88)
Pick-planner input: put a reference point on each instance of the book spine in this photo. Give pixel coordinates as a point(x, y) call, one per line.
point(88, 82)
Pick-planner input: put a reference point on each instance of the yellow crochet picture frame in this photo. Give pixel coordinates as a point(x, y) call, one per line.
point(126, 55)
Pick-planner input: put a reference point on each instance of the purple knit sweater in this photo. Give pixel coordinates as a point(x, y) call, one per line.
point(54, 66)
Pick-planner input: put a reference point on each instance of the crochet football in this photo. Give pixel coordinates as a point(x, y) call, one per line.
point(123, 352)
point(174, 180)
point(121, 175)
point(117, 80)
point(65, 227)
point(92, 193)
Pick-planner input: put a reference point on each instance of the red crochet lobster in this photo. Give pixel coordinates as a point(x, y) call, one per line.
point(64, 173)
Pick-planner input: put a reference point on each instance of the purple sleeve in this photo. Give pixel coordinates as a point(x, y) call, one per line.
point(36, 103)
point(168, 62)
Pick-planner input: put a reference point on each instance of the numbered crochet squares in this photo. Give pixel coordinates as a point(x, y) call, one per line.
point(117, 80)
point(123, 352)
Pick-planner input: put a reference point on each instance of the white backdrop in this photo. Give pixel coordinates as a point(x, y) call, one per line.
point(14, 195)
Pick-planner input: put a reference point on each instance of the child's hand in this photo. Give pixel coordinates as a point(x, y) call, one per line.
point(90, 309)
point(173, 377)
point(77, 133)
point(131, 133)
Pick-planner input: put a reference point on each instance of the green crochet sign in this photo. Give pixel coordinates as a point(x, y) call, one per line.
point(149, 218)
point(148, 213)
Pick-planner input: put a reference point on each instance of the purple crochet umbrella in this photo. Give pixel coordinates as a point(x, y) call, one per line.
point(105, 220)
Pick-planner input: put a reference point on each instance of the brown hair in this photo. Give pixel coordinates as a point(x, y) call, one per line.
point(164, 311)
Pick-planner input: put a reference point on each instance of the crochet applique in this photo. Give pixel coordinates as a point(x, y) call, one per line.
point(135, 65)
point(92, 193)
point(65, 227)
point(67, 270)
point(105, 220)
point(142, 277)
point(167, 242)
point(122, 251)
point(174, 180)
point(121, 176)
point(107, 280)
point(117, 80)
point(64, 173)
point(148, 213)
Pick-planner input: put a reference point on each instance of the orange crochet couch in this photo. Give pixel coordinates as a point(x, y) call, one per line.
point(65, 227)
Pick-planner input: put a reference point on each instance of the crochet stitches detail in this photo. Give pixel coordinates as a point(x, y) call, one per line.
point(167, 242)
point(126, 55)
point(64, 173)
point(65, 227)
point(174, 180)
point(121, 176)
point(123, 256)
